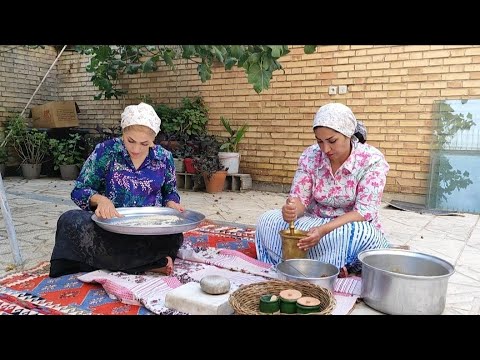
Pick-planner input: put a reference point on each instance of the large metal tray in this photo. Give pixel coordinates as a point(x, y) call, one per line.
point(150, 220)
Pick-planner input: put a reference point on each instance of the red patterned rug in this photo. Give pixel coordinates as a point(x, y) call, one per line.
point(223, 236)
point(33, 292)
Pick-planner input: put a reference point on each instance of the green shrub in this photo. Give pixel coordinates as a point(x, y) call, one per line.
point(67, 151)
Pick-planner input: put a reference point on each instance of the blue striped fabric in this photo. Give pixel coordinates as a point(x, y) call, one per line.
point(339, 247)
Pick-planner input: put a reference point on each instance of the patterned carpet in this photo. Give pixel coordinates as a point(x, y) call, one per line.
point(211, 248)
point(32, 292)
point(209, 234)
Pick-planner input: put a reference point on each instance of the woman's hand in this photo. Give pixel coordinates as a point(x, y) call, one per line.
point(313, 237)
point(289, 210)
point(105, 209)
point(176, 206)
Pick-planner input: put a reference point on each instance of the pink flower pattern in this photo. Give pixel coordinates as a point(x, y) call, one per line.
point(356, 186)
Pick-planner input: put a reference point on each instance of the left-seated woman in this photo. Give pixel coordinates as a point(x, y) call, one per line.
point(128, 171)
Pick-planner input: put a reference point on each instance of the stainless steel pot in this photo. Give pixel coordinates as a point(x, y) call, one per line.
point(401, 282)
point(314, 271)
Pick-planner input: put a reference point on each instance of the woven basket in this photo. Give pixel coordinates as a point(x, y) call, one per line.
point(246, 300)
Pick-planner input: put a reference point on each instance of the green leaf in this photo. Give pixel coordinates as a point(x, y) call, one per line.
point(226, 124)
point(148, 66)
point(188, 51)
point(94, 62)
point(218, 54)
point(117, 64)
point(259, 78)
point(167, 58)
point(105, 84)
point(229, 62)
point(103, 52)
point(236, 51)
point(243, 60)
point(254, 58)
point(132, 68)
point(309, 49)
point(276, 65)
point(276, 50)
point(84, 49)
point(154, 59)
point(267, 61)
point(204, 71)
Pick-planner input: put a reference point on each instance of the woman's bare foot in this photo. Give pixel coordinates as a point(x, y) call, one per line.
point(343, 273)
point(166, 270)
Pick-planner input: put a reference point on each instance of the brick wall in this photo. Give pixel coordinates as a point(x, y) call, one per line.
point(74, 84)
point(390, 88)
point(21, 70)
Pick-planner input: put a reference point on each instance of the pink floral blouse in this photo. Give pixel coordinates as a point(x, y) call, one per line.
point(356, 186)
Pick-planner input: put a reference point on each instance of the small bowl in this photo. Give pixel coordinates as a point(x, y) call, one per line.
point(307, 305)
point(288, 301)
point(314, 271)
point(269, 306)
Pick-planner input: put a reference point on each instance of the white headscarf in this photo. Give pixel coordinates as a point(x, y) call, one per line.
point(336, 116)
point(141, 114)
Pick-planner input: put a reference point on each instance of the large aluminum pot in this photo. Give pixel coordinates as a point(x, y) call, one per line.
point(314, 271)
point(401, 282)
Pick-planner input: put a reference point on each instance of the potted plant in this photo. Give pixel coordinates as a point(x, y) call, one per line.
point(30, 144)
point(213, 172)
point(230, 157)
point(207, 164)
point(183, 123)
point(67, 155)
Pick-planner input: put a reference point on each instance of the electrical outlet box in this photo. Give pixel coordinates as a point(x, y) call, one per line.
point(332, 90)
point(342, 89)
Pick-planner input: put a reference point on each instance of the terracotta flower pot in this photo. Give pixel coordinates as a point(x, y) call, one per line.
point(216, 182)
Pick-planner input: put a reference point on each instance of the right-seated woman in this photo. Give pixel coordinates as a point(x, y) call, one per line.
point(335, 196)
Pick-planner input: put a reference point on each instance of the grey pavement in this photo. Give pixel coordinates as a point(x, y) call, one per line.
point(36, 205)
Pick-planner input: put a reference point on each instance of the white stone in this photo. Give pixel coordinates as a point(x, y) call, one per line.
point(215, 284)
point(190, 298)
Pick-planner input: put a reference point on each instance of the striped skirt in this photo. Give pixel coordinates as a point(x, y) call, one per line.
point(340, 247)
